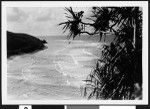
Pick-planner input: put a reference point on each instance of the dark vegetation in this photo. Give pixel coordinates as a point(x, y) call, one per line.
point(19, 43)
point(118, 72)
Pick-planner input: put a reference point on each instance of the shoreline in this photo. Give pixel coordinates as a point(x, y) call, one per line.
point(10, 57)
point(45, 79)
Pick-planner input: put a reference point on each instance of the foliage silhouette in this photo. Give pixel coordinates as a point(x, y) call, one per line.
point(118, 71)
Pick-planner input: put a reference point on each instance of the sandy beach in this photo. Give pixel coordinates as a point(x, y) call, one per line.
point(54, 73)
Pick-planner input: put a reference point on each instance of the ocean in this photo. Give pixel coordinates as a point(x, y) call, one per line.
point(55, 73)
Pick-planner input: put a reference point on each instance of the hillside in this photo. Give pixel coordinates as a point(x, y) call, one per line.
point(19, 43)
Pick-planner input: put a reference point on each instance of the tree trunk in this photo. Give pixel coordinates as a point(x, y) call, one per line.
point(134, 35)
point(136, 29)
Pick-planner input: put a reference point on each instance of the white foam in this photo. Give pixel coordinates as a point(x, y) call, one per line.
point(86, 52)
point(59, 68)
point(74, 60)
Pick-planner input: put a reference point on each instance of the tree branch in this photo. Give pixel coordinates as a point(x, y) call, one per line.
point(90, 24)
point(113, 25)
point(86, 32)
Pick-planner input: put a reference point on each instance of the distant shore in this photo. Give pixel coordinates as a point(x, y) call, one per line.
point(20, 43)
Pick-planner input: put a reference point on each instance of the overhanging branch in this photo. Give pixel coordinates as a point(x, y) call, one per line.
point(86, 32)
point(90, 24)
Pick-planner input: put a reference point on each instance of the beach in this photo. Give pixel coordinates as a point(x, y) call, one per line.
point(55, 73)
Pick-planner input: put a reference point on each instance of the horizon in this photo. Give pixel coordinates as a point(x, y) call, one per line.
point(82, 37)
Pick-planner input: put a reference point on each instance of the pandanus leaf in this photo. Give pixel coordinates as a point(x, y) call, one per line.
point(73, 23)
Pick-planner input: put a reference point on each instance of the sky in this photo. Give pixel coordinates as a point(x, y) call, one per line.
point(39, 21)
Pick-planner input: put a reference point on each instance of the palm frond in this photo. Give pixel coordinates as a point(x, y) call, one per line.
point(121, 67)
point(120, 63)
point(73, 22)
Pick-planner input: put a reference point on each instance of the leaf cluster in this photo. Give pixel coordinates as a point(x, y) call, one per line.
point(73, 22)
point(120, 65)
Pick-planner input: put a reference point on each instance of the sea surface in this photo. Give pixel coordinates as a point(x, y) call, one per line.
point(55, 73)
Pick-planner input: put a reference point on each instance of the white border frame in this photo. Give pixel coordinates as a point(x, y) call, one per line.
point(143, 4)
